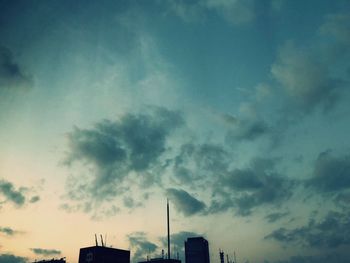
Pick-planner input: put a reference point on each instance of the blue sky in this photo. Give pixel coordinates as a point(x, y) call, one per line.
point(237, 111)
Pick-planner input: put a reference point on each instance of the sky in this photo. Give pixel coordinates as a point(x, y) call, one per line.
point(237, 111)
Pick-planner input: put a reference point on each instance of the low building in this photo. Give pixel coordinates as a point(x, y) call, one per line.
point(61, 260)
point(101, 254)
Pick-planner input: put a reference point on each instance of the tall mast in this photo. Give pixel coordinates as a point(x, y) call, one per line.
point(167, 209)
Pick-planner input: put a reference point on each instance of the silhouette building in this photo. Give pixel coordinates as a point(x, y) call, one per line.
point(61, 260)
point(161, 260)
point(197, 250)
point(101, 254)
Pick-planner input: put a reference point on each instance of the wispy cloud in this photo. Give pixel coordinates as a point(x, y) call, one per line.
point(9, 231)
point(45, 252)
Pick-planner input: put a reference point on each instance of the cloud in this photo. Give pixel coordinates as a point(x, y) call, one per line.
point(112, 150)
point(337, 25)
point(11, 194)
point(252, 187)
point(316, 76)
point(130, 202)
point(249, 126)
point(197, 163)
point(343, 199)
point(45, 252)
point(329, 258)
point(9, 258)
point(184, 202)
point(34, 199)
point(273, 217)
point(331, 174)
point(248, 130)
point(12, 75)
point(137, 140)
point(141, 246)
point(306, 79)
point(332, 231)
point(235, 12)
point(8, 231)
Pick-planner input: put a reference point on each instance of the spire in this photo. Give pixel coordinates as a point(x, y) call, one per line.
point(167, 209)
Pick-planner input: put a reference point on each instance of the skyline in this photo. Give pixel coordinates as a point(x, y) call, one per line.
point(236, 110)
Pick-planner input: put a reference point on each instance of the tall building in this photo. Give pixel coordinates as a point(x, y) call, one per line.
point(197, 250)
point(101, 254)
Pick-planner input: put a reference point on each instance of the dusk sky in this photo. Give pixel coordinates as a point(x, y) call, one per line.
point(236, 110)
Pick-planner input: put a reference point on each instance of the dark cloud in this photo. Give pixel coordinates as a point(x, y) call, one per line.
point(11, 194)
point(133, 144)
point(331, 174)
point(197, 163)
point(45, 252)
point(273, 217)
point(250, 188)
point(8, 231)
point(184, 202)
point(9, 258)
point(135, 141)
point(332, 231)
point(12, 75)
point(142, 248)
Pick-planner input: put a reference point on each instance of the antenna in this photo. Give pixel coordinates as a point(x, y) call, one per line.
point(105, 240)
point(96, 241)
point(221, 253)
point(234, 256)
point(227, 258)
point(102, 240)
point(167, 209)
